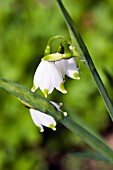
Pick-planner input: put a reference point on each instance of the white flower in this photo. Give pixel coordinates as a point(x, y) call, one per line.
point(41, 119)
point(68, 67)
point(47, 77)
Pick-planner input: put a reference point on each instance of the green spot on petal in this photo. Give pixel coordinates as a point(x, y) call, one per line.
point(45, 92)
point(65, 113)
point(76, 76)
point(33, 88)
point(62, 88)
point(52, 127)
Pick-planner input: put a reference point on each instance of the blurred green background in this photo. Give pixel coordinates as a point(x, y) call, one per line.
point(25, 27)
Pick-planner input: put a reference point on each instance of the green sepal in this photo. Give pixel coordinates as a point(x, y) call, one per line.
point(53, 57)
point(67, 56)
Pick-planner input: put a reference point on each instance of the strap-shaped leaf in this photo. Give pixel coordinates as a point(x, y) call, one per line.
point(82, 50)
point(29, 98)
point(88, 155)
point(89, 138)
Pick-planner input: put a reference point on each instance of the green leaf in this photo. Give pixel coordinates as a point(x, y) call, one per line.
point(40, 103)
point(82, 50)
point(29, 98)
point(88, 155)
point(89, 138)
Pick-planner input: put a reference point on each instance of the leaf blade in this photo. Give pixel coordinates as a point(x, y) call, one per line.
point(80, 45)
point(33, 99)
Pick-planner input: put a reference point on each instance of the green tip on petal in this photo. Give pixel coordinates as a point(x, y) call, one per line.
point(52, 127)
point(33, 88)
point(76, 76)
point(41, 129)
point(45, 92)
point(65, 113)
point(63, 90)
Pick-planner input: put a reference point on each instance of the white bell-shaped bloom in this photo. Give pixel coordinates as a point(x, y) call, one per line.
point(68, 67)
point(47, 77)
point(41, 119)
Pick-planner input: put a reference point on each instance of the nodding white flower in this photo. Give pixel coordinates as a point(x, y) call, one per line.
point(68, 67)
point(47, 77)
point(41, 119)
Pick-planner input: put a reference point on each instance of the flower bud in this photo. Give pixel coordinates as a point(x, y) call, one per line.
point(47, 50)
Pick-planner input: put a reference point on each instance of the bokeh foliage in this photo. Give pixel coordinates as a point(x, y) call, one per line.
point(25, 27)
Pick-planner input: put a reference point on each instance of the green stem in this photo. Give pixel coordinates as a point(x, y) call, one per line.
point(90, 139)
point(84, 52)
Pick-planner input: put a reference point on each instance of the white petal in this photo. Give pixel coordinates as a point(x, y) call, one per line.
point(46, 120)
point(47, 77)
point(35, 119)
point(42, 119)
point(68, 67)
point(57, 105)
point(61, 66)
point(57, 80)
point(71, 68)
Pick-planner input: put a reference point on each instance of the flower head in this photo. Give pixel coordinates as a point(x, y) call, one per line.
point(41, 119)
point(68, 67)
point(47, 77)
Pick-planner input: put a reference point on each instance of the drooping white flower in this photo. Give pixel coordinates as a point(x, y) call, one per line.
point(41, 119)
point(68, 67)
point(47, 77)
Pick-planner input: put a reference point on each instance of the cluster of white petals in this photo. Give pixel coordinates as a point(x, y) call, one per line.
point(50, 75)
point(47, 77)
